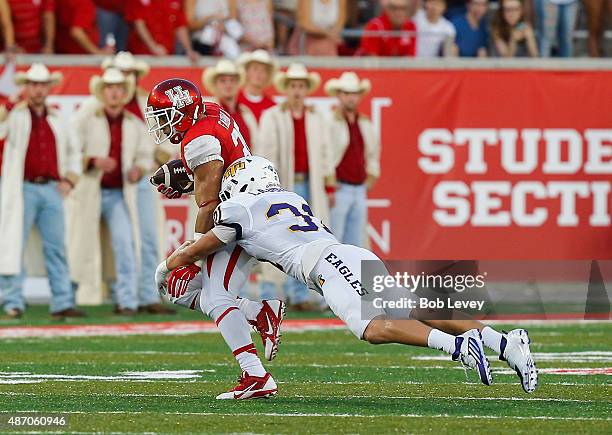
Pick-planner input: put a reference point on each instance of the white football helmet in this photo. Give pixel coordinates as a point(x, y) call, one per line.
point(249, 174)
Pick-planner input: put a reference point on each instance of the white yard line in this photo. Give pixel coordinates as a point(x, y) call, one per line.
point(278, 414)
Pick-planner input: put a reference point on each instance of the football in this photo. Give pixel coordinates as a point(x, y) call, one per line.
point(174, 174)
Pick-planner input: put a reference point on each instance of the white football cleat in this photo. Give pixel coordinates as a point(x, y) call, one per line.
point(515, 351)
point(251, 387)
point(470, 352)
point(268, 324)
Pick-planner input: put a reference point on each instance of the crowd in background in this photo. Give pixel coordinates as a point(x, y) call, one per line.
point(421, 28)
point(83, 183)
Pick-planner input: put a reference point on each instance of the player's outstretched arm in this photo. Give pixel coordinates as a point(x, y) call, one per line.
point(190, 253)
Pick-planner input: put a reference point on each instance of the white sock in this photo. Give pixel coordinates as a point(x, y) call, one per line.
point(236, 332)
point(441, 341)
point(492, 339)
point(249, 308)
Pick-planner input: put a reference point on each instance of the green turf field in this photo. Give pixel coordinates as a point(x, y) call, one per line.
point(328, 383)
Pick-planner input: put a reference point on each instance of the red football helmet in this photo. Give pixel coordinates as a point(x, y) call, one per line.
point(173, 106)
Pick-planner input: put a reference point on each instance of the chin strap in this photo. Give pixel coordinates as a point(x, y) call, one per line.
point(212, 201)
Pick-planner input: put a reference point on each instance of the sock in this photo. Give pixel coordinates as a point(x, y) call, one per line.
point(492, 339)
point(236, 332)
point(441, 341)
point(249, 308)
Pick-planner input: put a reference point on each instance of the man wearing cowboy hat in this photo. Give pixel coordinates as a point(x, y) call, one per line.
point(223, 81)
point(355, 155)
point(116, 153)
point(151, 214)
point(39, 170)
point(294, 136)
point(259, 70)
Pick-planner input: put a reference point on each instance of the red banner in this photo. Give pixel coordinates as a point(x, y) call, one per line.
point(493, 164)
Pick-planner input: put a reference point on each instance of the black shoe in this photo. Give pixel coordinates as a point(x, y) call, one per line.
point(156, 309)
point(68, 313)
point(124, 312)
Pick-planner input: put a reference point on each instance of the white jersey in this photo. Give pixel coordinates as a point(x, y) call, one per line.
point(275, 226)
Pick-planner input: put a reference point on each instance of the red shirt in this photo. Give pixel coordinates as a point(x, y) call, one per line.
point(242, 126)
point(74, 13)
point(134, 108)
point(162, 18)
point(388, 45)
point(300, 147)
point(219, 124)
point(257, 107)
point(41, 156)
point(114, 179)
point(352, 166)
point(116, 6)
point(27, 22)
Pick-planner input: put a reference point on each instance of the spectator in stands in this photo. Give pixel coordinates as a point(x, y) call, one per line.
point(40, 170)
point(556, 20)
point(435, 34)
point(319, 27)
point(154, 25)
point(512, 36)
point(34, 25)
point(116, 153)
point(356, 157)
point(472, 31)
point(151, 215)
point(214, 27)
point(597, 15)
point(259, 69)
point(455, 8)
point(8, 32)
point(393, 19)
point(79, 31)
point(111, 22)
point(285, 10)
point(256, 19)
point(223, 81)
point(294, 136)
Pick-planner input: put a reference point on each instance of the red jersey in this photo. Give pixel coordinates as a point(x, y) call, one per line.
point(74, 13)
point(162, 18)
point(388, 45)
point(27, 22)
point(213, 137)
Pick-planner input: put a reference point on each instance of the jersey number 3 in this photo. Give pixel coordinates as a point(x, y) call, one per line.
point(310, 225)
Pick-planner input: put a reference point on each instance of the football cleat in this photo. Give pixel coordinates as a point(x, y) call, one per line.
point(470, 352)
point(267, 324)
point(251, 387)
point(515, 351)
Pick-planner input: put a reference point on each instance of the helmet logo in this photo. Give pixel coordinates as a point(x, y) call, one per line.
point(179, 97)
point(235, 167)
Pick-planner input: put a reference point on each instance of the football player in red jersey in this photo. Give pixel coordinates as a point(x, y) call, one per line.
point(210, 141)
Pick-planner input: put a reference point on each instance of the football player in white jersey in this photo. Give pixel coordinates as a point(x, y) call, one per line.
point(277, 226)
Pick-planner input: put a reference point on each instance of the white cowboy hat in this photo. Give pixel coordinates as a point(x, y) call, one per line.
point(112, 76)
point(348, 82)
point(126, 61)
point(296, 71)
point(40, 74)
point(259, 56)
point(223, 68)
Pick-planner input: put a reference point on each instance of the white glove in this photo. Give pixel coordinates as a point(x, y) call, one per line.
point(161, 277)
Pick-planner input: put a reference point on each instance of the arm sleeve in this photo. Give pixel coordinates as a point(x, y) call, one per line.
point(232, 221)
point(202, 149)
